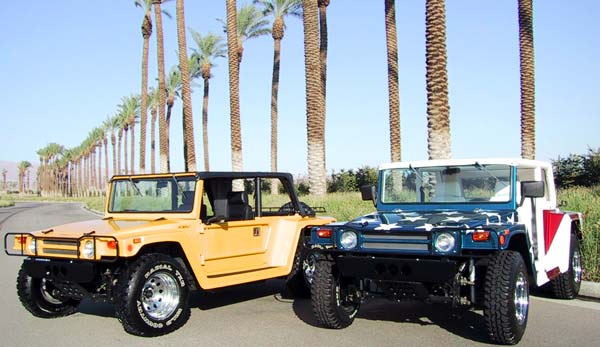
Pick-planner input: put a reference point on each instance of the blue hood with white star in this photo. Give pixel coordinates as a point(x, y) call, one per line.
point(428, 220)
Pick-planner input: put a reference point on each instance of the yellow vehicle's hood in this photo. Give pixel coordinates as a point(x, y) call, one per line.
point(101, 227)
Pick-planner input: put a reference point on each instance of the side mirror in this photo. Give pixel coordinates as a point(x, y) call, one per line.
point(369, 192)
point(532, 189)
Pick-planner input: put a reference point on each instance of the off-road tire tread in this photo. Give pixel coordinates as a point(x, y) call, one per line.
point(563, 286)
point(295, 282)
point(323, 300)
point(121, 294)
point(24, 293)
point(498, 295)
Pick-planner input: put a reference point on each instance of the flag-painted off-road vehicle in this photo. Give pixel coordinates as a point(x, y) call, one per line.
point(162, 236)
point(476, 233)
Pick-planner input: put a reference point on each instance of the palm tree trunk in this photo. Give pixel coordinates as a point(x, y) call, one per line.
point(163, 136)
point(119, 172)
point(314, 100)
point(205, 125)
point(105, 160)
point(132, 130)
point(438, 108)
point(125, 160)
point(234, 85)
point(153, 141)
point(114, 153)
point(393, 89)
point(146, 32)
point(323, 58)
point(527, 79)
point(274, 113)
point(188, 118)
point(99, 167)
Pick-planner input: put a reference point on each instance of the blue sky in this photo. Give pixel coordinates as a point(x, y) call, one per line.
point(65, 65)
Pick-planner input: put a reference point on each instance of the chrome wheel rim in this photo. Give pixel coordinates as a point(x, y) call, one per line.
point(308, 267)
point(521, 298)
point(160, 296)
point(577, 267)
point(49, 293)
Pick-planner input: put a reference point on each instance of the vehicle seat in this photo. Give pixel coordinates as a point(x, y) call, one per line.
point(239, 209)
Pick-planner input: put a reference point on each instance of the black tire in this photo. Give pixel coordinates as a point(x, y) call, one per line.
point(297, 282)
point(566, 285)
point(40, 297)
point(151, 296)
point(506, 298)
point(330, 301)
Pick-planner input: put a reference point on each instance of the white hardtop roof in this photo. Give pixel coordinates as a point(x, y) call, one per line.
point(518, 162)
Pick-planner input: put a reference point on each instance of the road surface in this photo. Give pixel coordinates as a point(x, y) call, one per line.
point(256, 315)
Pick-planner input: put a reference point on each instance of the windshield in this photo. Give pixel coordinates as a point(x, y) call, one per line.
point(164, 194)
point(446, 184)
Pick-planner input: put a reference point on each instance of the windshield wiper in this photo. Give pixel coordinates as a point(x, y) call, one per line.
point(137, 190)
point(180, 188)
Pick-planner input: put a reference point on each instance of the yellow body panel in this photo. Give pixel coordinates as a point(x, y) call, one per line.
point(219, 255)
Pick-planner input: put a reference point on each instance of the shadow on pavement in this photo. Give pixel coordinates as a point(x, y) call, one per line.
point(467, 324)
point(210, 299)
point(97, 309)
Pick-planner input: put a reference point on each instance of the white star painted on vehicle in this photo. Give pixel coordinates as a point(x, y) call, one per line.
point(387, 226)
point(455, 219)
point(426, 226)
point(412, 219)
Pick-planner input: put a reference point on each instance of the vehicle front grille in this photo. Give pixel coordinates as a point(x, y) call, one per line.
point(68, 247)
point(396, 242)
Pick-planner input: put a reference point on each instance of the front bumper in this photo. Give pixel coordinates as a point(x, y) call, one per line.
point(60, 270)
point(438, 270)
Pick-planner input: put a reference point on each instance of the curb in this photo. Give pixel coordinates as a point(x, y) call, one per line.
point(590, 289)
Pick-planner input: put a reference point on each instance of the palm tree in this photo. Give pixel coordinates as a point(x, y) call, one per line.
point(209, 47)
point(323, 57)
point(173, 86)
point(251, 23)
point(278, 9)
point(23, 167)
point(106, 127)
point(153, 105)
point(4, 172)
point(314, 100)
point(527, 79)
point(146, 5)
point(129, 110)
point(163, 136)
point(114, 124)
point(234, 58)
point(186, 92)
point(393, 90)
point(438, 108)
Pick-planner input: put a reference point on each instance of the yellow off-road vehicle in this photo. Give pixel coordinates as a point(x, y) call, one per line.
point(163, 235)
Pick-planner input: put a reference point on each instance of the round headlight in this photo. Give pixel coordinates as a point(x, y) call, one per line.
point(444, 242)
point(32, 246)
point(348, 240)
point(88, 249)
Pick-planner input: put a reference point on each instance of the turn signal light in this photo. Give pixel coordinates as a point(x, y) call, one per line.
point(324, 233)
point(481, 236)
point(21, 239)
point(111, 244)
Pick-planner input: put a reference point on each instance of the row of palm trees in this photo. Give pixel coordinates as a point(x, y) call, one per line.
point(79, 167)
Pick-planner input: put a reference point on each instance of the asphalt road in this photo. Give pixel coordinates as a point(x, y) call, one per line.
point(256, 315)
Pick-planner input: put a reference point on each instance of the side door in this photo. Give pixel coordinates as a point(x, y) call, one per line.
point(237, 243)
